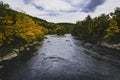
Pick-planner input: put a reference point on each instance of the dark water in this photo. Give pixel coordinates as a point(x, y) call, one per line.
point(60, 58)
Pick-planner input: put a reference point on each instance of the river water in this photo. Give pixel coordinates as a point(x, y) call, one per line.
point(61, 58)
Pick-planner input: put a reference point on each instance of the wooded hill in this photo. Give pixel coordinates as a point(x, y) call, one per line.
point(104, 28)
point(68, 27)
point(18, 29)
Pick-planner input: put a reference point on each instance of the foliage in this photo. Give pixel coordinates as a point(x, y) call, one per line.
point(17, 29)
point(68, 27)
point(98, 29)
point(50, 28)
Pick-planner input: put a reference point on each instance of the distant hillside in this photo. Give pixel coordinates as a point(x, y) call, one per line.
point(68, 26)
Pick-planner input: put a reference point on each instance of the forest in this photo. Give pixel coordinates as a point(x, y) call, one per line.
point(104, 28)
point(18, 29)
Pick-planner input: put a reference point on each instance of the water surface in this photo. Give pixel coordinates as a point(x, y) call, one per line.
point(61, 58)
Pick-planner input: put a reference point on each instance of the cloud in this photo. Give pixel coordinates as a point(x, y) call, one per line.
point(27, 1)
point(54, 5)
point(38, 7)
point(92, 5)
point(64, 10)
point(51, 14)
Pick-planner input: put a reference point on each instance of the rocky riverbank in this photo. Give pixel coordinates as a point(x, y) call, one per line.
point(103, 51)
point(18, 52)
point(112, 46)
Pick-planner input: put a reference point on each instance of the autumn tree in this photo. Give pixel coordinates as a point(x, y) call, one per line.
point(112, 30)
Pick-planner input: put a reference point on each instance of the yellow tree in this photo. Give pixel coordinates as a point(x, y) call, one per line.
point(26, 29)
point(112, 29)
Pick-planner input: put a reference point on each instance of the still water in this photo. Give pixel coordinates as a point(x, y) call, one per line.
point(61, 58)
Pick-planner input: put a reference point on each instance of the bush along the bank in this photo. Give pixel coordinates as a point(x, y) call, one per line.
point(104, 28)
point(17, 29)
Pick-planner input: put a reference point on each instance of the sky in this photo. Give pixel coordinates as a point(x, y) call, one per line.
point(58, 11)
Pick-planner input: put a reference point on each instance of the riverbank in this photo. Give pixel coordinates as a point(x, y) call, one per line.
point(112, 46)
point(18, 52)
point(102, 44)
point(103, 52)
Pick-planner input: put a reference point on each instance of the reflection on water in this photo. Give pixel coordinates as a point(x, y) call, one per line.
point(61, 58)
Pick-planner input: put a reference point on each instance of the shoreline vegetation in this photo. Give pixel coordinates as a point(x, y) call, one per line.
point(103, 30)
point(19, 30)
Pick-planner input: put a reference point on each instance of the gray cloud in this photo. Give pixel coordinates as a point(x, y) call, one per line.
point(92, 5)
point(51, 14)
point(27, 1)
point(38, 7)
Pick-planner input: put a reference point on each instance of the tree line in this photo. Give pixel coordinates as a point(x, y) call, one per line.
point(18, 28)
point(102, 28)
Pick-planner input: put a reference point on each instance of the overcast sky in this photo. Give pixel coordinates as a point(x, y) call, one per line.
point(64, 10)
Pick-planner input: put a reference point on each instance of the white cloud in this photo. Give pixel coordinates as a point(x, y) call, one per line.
point(67, 10)
point(53, 5)
point(108, 7)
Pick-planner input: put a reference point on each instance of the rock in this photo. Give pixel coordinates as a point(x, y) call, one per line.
point(65, 36)
point(67, 40)
point(31, 45)
point(1, 67)
point(48, 41)
point(88, 45)
point(9, 56)
point(112, 46)
point(39, 44)
point(27, 48)
point(35, 42)
point(16, 50)
point(22, 48)
point(82, 43)
point(118, 48)
point(25, 45)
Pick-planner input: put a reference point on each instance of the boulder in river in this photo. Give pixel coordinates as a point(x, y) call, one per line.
point(48, 41)
point(67, 40)
point(88, 45)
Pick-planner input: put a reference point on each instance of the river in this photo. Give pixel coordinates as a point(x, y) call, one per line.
point(61, 58)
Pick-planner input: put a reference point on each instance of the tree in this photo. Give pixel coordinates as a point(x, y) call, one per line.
point(116, 15)
point(112, 29)
point(60, 30)
point(3, 6)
